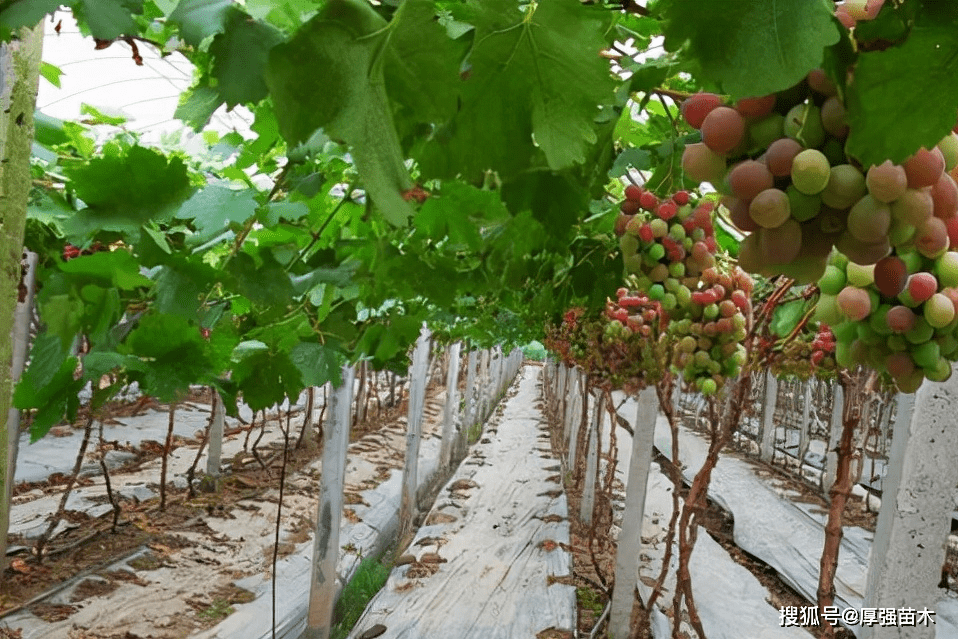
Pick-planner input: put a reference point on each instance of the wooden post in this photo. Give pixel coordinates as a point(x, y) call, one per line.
point(451, 409)
point(629, 545)
point(408, 507)
point(587, 503)
point(214, 458)
point(767, 441)
point(835, 434)
point(323, 588)
point(917, 502)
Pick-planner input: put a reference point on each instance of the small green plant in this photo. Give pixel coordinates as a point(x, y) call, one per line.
point(474, 433)
point(590, 599)
point(218, 610)
point(370, 577)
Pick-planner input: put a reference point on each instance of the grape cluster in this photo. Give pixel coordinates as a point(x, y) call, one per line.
point(633, 313)
point(666, 245)
point(851, 12)
point(823, 348)
point(899, 316)
point(781, 163)
point(708, 338)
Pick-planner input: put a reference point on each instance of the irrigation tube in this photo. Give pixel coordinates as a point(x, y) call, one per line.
point(605, 613)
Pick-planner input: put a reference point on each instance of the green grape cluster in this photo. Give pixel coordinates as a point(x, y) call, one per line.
point(788, 183)
point(899, 316)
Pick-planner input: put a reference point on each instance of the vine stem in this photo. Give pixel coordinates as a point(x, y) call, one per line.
point(58, 515)
point(166, 453)
point(279, 512)
point(109, 487)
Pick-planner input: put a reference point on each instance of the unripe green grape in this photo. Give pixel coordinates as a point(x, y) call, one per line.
point(912, 382)
point(949, 150)
point(922, 332)
point(926, 355)
point(669, 301)
point(672, 284)
point(827, 311)
point(677, 269)
point(941, 371)
point(632, 263)
point(710, 312)
point(659, 273)
point(900, 233)
point(946, 269)
point(832, 281)
point(878, 321)
point(897, 343)
point(628, 244)
point(656, 252)
point(656, 292)
point(810, 171)
point(803, 123)
point(803, 207)
point(683, 296)
point(860, 275)
point(939, 311)
point(846, 185)
point(660, 228)
point(677, 232)
point(764, 131)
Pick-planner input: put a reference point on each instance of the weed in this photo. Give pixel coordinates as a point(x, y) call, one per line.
point(474, 433)
point(218, 610)
point(590, 599)
point(370, 577)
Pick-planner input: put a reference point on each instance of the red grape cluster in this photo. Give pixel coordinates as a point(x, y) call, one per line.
point(823, 345)
point(666, 244)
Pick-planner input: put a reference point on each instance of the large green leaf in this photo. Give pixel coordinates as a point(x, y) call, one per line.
point(346, 48)
point(214, 208)
point(27, 13)
point(125, 189)
point(535, 80)
point(198, 19)
point(267, 377)
point(239, 59)
point(109, 19)
point(169, 354)
point(906, 96)
point(317, 363)
point(751, 47)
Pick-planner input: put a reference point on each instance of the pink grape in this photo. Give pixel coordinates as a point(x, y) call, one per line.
point(899, 365)
point(821, 83)
point(833, 117)
point(944, 195)
point(756, 107)
point(749, 178)
point(782, 244)
point(932, 239)
point(697, 106)
point(921, 286)
point(886, 181)
point(854, 303)
point(738, 212)
point(924, 167)
point(722, 129)
point(900, 319)
point(780, 155)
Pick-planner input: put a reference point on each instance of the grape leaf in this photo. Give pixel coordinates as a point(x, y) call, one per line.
point(179, 286)
point(239, 59)
point(786, 317)
point(169, 354)
point(198, 19)
point(345, 93)
point(214, 208)
point(729, 37)
point(266, 378)
point(197, 105)
point(268, 284)
point(317, 363)
point(108, 19)
point(117, 267)
point(27, 13)
point(518, 96)
point(124, 190)
point(906, 97)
